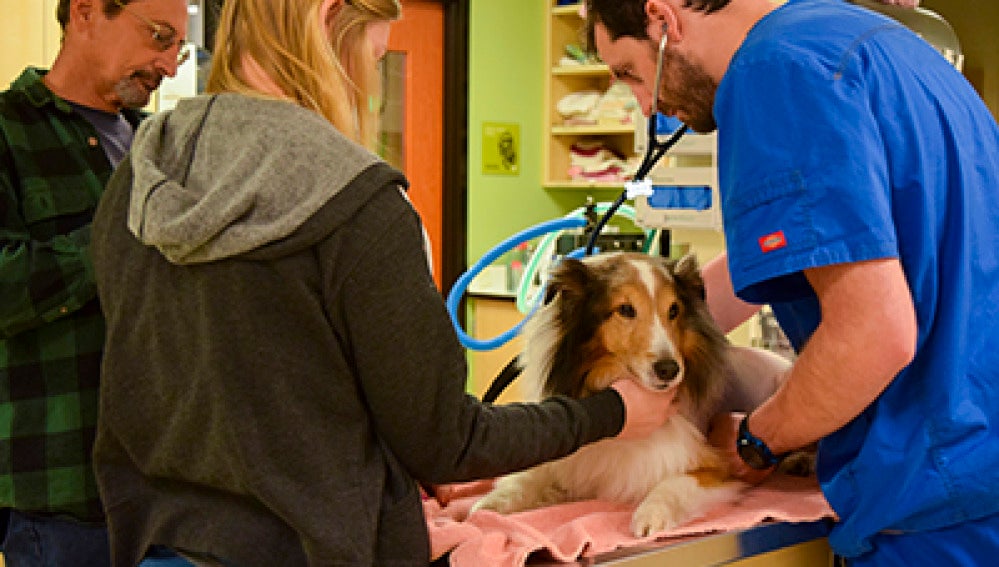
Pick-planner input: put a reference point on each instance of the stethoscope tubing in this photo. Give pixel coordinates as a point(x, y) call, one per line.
point(654, 150)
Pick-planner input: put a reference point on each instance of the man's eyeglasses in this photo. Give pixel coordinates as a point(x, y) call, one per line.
point(164, 36)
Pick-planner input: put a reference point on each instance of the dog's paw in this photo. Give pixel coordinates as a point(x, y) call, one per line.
point(652, 517)
point(678, 500)
point(502, 502)
point(522, 491)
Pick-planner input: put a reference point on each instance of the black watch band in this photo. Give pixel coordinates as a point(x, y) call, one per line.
point(753, 451)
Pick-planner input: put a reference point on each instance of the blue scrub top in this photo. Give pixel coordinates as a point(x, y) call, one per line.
point(844, 137)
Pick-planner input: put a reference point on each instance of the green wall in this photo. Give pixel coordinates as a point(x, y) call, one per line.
point(506, 82)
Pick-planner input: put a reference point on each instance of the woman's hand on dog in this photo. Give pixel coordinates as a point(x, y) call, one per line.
point(722, 434)
point(444, 494)
point(645, 410)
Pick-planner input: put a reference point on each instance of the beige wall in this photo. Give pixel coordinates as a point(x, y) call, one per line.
point(976, 23)
point(30, 36)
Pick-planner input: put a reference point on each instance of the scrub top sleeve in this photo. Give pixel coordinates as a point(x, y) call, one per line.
point(803, 172)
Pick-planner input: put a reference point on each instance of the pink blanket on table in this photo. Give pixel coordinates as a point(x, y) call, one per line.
point(568, 532)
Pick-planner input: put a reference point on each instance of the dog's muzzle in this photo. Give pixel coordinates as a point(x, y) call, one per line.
point(666, 370)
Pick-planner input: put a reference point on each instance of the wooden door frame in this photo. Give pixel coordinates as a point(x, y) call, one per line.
point(454, 222)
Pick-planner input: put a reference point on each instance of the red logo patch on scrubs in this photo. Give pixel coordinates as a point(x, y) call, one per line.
point(772, 241)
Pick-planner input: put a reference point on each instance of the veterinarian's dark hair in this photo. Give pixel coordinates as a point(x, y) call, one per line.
point(627, 17)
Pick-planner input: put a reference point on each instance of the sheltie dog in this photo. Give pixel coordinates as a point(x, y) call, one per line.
point(626, 314)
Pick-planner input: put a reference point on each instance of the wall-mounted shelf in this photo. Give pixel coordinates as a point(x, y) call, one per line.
point(593, 130)
point(570, 10)
point(585, 186)
point(587, 70)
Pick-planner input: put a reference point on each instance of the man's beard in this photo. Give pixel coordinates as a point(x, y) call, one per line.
point(135, 90)
point(693, 92)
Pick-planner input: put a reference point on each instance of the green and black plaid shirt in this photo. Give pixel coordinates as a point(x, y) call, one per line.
point(52, 173)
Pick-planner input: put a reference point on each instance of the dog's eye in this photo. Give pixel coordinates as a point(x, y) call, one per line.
point(627, 311)
point(674, 311)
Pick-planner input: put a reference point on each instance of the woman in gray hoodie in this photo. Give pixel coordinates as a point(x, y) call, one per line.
point(280, 371)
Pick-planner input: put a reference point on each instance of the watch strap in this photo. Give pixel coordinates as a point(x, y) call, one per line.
point(753, 450)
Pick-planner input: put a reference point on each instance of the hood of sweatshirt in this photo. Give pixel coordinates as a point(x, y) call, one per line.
point(224, 175)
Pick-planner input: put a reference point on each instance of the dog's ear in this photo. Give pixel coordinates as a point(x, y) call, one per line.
point(568, 279)
point(568, 294)
point(688, 263)
point(550, 293)
point(688, 274)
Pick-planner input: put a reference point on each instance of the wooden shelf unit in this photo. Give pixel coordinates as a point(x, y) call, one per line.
point(564, 26)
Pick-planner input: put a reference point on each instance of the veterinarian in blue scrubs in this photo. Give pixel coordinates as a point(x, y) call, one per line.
point(860, 191)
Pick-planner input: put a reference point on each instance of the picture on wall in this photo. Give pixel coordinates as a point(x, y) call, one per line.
point(500, 148)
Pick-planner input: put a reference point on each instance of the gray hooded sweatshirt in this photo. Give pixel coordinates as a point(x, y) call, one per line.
point(280, 370)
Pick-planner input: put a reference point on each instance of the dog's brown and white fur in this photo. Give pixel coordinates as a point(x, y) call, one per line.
point(625, 314)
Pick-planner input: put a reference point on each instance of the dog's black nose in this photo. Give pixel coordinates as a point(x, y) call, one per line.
point(666, 369)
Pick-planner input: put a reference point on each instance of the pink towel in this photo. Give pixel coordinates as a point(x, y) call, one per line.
point(567, 532)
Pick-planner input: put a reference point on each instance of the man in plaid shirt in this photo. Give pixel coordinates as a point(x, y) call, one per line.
point(61, 134)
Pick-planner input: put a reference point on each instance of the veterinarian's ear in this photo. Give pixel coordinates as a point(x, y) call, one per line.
point(688, 273)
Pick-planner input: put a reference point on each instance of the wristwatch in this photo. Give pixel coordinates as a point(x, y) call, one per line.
point(753, 451)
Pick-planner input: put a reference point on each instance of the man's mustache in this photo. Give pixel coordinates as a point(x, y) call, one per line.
point(148, 77)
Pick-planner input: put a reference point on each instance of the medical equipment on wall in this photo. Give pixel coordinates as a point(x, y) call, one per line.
point(683, 193)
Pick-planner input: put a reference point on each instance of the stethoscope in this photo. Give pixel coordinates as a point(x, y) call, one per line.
point(654, 151)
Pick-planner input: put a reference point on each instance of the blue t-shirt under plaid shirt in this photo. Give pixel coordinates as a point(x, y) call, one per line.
point(52, 173)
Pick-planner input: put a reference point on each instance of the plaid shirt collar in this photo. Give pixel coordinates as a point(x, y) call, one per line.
point(31, 83)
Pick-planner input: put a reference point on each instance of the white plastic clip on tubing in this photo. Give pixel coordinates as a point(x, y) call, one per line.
point(641, 188)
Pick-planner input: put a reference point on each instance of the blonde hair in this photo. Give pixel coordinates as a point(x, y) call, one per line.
point(332, 72)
